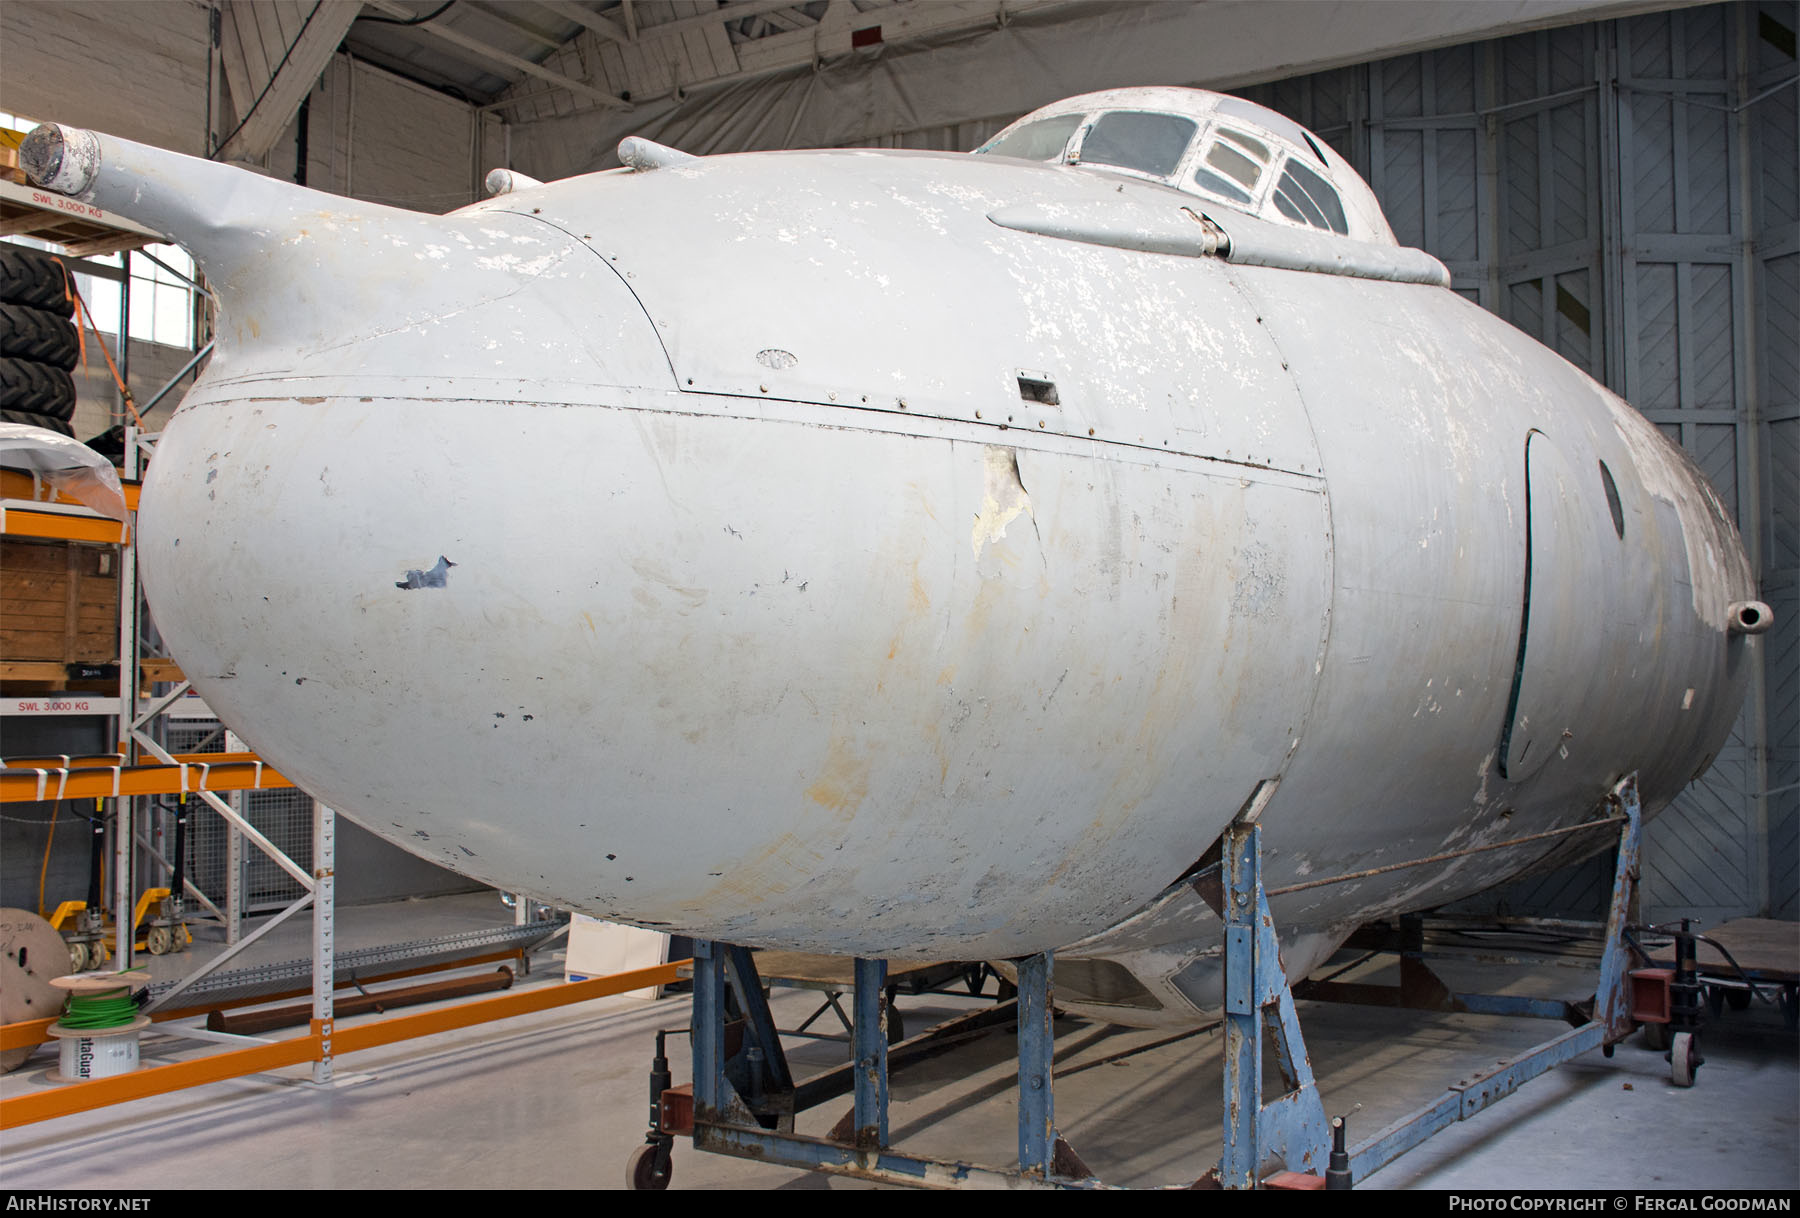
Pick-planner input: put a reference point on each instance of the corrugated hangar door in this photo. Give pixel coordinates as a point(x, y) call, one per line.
point(1626, 192)
point(1685, 364)
point(1774, 186)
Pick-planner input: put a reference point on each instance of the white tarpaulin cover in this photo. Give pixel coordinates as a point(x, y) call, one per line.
point(68, 466)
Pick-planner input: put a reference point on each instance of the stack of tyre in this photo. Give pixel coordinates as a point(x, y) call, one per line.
point(38, 342)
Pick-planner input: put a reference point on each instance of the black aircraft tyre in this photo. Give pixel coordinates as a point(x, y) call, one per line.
point(38, 335)
point(36, 388)
point(59, 426)
point(33, 278)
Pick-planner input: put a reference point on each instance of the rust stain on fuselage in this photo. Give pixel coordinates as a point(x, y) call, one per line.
point(843, 784)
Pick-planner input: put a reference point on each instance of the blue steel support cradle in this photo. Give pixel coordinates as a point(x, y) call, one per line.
point(725, 1123)
point(1609, 1019)
point(708, 1024)
point(869, 1045)
point(1037, 1110)
point(1293, 1126)
point(1612, 996)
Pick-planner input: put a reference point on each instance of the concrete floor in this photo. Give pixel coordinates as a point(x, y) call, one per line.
point(556, 1100)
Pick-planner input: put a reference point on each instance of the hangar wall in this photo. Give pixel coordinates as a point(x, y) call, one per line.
point(377, 136)
point(139, 70)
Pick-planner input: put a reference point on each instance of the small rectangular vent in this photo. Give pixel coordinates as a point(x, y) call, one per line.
point(1041, 390)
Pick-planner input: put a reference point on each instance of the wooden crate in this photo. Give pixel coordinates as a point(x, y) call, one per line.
point(59, 602)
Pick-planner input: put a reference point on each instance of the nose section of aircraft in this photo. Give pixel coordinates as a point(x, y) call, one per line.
point(335, 513)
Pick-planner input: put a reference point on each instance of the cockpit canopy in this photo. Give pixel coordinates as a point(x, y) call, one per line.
point(1225, 149)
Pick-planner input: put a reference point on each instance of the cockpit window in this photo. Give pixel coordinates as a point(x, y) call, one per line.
point(1043, 140)
point(1137, 139)
point(1249, 144)
point(1230, 151)
point(1233, 166)
point(1306, 198)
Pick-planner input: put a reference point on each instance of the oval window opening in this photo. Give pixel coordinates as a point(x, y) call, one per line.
point(1612, 500)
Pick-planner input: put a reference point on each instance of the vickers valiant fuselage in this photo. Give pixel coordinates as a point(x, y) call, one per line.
point(903, 553)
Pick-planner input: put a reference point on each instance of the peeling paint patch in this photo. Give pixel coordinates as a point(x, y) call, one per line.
point(1003, 501)
point(436, 577)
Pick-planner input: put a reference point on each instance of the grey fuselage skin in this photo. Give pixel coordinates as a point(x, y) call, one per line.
point(701, 548)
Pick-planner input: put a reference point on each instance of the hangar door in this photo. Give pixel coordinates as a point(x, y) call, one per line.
point(1626, 192)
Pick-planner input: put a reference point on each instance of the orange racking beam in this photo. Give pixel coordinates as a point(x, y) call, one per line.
point(59, 526)
point(26, 522)
point(233, 1063)
point(105, 781)
point(112, 761)
point(17, 484)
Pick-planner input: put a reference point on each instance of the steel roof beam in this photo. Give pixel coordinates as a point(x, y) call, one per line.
point(583, 15)
point(484, 51)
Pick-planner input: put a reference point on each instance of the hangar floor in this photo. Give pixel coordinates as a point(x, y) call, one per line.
point(556, 1100)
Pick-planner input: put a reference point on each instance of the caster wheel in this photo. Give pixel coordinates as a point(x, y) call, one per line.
point(1606, 1050)
point(641, 1175)
point(78, 957)
point(160, 940)
point(1738, 1000)
point(896, 1026)
point(1656, 1037)
point(1684, 1059)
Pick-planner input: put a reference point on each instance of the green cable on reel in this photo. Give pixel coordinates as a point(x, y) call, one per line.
point(99, 1012)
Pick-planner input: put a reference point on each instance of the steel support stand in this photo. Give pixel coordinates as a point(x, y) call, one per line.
point(709, 1031)
point(1037, 1107)
point(1292, 1126)
point(760, 1071)
point(1609, 1019)
point(744, 1104)
point(1612, 994)
point(869, 1044)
